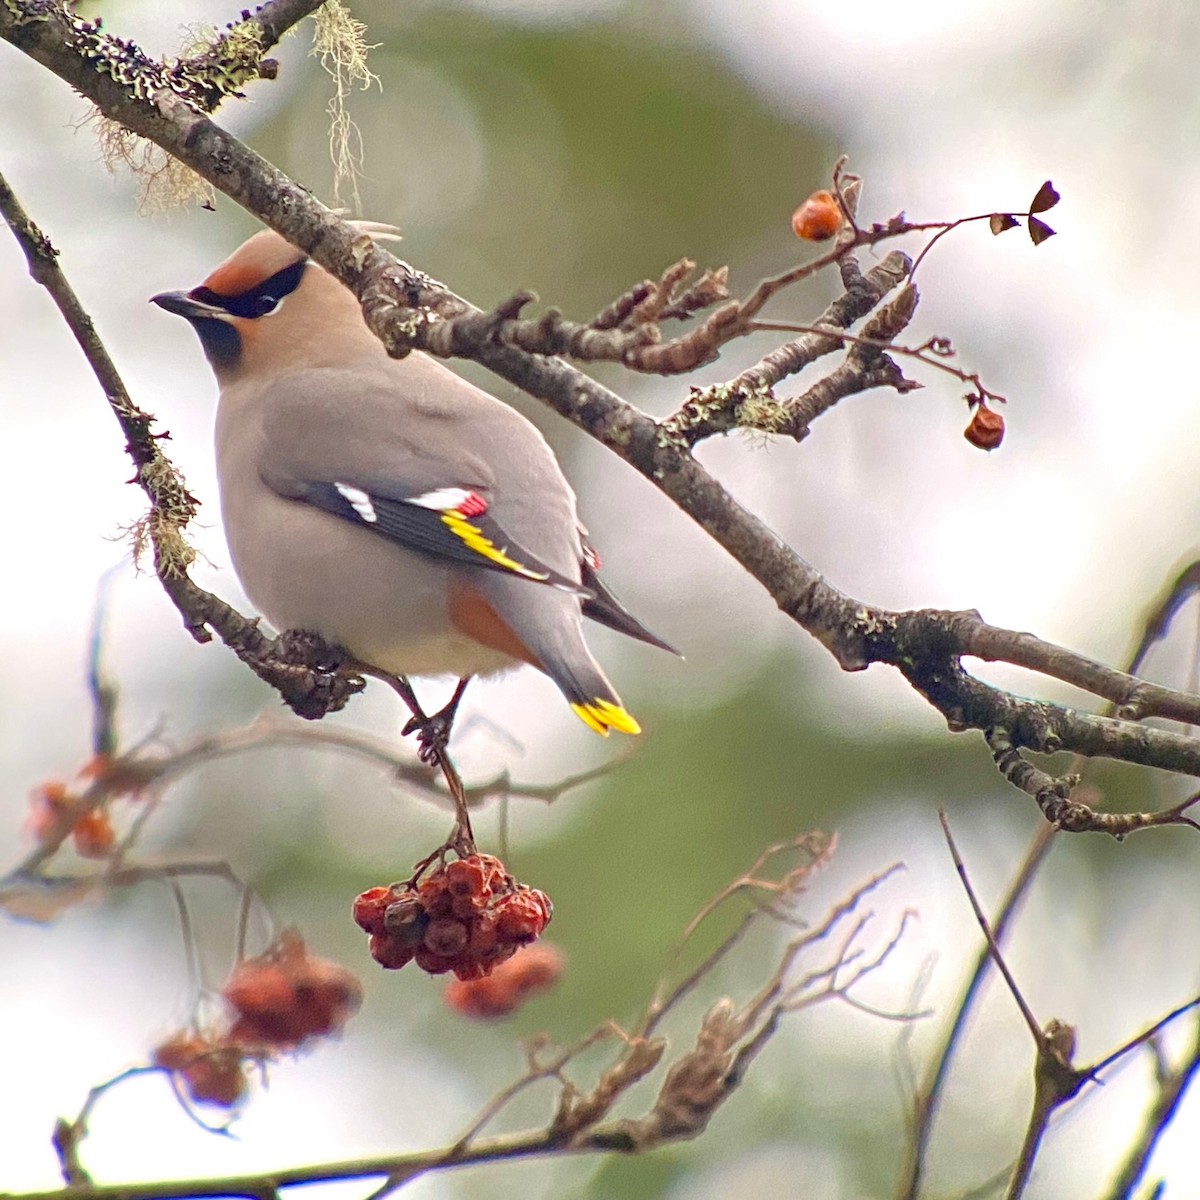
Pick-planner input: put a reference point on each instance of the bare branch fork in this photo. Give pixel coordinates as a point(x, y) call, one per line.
point(1057, 1081)
point(695, 1083)
point(411, 311)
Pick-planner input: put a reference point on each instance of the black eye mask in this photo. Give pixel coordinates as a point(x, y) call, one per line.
point(259, 301)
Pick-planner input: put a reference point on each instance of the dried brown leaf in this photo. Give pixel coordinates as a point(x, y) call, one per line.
point(1039, 231)
point(1047, 197)
point(42, 900)
point(1002, 222)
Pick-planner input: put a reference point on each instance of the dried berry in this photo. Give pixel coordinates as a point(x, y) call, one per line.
point(446, 936)
point(986, 429)
point(818, 218)
point(210, 1072)
point(405, 920)
point(468, 877)
point(432, 962)
point(390, 954)
point(217, 1077)
point(520, 917)
point(506, 988)
point(94, 835)
point(369, 908)
point(286, 996)
point(179, 1050)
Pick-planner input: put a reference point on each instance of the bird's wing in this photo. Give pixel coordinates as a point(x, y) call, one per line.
point(602, 606)
point(450, 523)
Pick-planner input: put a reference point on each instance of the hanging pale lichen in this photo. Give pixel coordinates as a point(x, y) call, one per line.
point(341, 47)
point(165, 182)
point(213, 67)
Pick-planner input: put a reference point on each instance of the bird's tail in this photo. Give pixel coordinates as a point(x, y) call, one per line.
point(602, 715)
point(592, 698)
point(549, 625)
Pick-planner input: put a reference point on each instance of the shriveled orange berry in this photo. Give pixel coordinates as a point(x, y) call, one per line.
point(521, 916)
point(467, 877)
point(179, 1050)
point(369, 907)
point(986, 429)
point(389, 953)
point(446, 936)
point(435, 895)
point(482, 943)
point(94, 835)
point(473, 969)
point(257, 986)
point(405, 920)
point(216, 1078)
point(432, 962)
point(495, 874)
point(287, 995)
point(818, 218)
point(53, 793)
point(508, 985)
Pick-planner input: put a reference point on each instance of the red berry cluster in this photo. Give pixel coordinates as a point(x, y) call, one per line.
point(466, 916)
point(81, 807)
point(533, 969)
point(279, 1001)
point(57, 808)
point(287, 996)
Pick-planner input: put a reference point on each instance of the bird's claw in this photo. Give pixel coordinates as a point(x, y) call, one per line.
point(433, 735)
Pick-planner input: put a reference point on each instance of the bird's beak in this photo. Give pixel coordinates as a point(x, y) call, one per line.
point(182, 305)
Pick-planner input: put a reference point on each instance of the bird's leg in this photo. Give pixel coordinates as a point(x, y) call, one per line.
point(433, 733)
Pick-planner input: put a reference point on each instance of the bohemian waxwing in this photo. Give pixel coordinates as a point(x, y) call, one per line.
point(388, 505)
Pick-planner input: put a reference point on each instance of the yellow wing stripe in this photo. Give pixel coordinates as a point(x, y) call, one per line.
point(602, 715)
point(474, 538)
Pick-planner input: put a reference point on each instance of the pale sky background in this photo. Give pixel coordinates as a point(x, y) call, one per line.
point(945, 108)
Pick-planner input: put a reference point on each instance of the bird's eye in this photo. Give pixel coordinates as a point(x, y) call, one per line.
point(264, 306)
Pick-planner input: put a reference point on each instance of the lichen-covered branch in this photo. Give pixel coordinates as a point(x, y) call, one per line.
point(409, 310)
point(305, 672)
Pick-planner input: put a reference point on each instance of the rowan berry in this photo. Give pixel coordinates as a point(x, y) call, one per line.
point(406, 919)
point(369, 908)
point(986, 429)
point(446, 936)
point(388, 953)
point(818, 218)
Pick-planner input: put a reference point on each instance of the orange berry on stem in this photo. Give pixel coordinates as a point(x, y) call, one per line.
point(389, 953)
point(216, 1078)
point(986, 429)
point(533, 969)
point(521, 916)
point(432, 962)
point(94, 835)
point(369, 907)
point(178, 1051)
point(818, 218)
point(467, 877)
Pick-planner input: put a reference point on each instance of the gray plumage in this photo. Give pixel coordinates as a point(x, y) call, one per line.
point(325, 444)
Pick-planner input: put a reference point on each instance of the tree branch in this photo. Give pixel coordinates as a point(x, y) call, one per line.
point(409, 310)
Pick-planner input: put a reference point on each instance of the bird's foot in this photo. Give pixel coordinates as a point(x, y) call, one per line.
point(433, 733)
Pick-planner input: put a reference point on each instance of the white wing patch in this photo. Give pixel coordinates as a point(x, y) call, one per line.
point(442, 499)
point(359, 501)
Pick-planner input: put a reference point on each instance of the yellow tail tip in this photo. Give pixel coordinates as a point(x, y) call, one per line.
point(603, 715)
